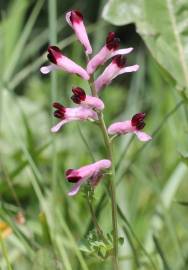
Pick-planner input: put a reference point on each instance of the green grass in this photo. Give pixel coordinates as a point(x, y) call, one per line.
point(151, 178)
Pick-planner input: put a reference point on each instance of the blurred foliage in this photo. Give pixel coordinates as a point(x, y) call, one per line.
point(151, 178)
point(163, 26)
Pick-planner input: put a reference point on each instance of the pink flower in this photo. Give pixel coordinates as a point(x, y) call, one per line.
point(109, 50)
point(75, 20)
point(84, 100)
point(117, 67)
point(71, 114)
point(131, 126)
point(60, 61)
point(91, 172)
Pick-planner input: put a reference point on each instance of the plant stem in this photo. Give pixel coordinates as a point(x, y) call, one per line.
point(92, 85)
point(98, 229)
point(111, 189)
point(112, 192)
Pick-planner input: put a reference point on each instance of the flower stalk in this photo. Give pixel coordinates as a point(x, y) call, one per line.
point(111, 187)
point(93, 216)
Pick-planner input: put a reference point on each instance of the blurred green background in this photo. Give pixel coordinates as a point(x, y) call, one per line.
point(151, 178)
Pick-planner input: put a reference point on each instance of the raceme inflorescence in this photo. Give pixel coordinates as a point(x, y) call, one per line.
point(90, 108)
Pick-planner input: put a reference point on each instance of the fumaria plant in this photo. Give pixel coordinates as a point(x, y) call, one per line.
point(90, 107)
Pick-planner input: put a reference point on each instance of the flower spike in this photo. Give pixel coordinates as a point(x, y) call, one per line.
point(92, 172)
point(71, 114)
point(60, 61)
point(135, 125)
point(75, 20)
point(117, 67)
point(80, 97)
point(109, 50)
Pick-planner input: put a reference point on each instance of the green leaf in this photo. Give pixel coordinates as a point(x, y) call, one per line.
point(163, 26)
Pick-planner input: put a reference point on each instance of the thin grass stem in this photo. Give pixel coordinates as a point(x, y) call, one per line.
point(5, 253)
point(85, 143)
point(52, 11)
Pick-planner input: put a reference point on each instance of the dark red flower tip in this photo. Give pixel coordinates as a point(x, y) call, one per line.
point(112, 42)
point(138, 120)
point(79, 95)
point(53, 54)
point(72, 178)
point(58, 106)
point(76, 16)
point(120, 61)
point(60, 112)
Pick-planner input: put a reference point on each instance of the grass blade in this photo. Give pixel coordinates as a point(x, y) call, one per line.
point(161, 253)
point(22, 41)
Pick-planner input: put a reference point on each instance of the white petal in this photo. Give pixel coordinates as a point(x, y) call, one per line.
point(57, 127)
point(47, 69)
point(121, 52)
point(142, 136)
point(67, 17)
point(74, 190)
point(128, 69)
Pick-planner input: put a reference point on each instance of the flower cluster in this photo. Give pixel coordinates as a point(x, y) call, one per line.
point(89, 107)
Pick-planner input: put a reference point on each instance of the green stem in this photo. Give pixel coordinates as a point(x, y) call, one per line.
point(89, 200)
point(98, 229)
point(108, 145)
point(111, 189)
point(92, 85)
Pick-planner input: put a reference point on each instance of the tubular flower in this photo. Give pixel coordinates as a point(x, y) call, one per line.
point(80, 97)
point(92, 172)
point(60, 61)
point(71, 114)
point(135, 125)
point(75, 20)
point(117, 67)
point(109, 50)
